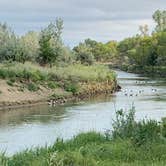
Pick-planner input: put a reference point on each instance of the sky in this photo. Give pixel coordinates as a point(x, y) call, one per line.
point(101, 20)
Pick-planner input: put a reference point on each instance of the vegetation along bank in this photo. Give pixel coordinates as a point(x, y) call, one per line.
point(38, 67)
point(25, 84)
point(130, 143)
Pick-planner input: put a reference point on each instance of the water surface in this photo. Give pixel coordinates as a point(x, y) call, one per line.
point(36, 126)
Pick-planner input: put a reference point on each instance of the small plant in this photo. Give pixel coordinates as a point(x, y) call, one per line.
point(146, 131)
point(71, 87)
point(10, 82)
point(124, 124)
point(52, 85)
point(32, 87)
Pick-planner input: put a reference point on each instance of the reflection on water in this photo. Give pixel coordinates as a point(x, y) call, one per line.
point(36, 126)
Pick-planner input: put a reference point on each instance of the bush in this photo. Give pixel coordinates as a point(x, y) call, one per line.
point(52, 85)
point(139, 133)
point(146, 131)
point(124, 124)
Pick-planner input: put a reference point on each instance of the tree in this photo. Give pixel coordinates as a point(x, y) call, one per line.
point(160, 18)
point(161, 48)
point(30, 45)
point(50, 43)
point(84, 54)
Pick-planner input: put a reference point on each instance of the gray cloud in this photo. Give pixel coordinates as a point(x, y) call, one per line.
point(101, 20)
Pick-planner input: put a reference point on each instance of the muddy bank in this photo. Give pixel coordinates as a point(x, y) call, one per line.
point(15, 99)
point(88, 90)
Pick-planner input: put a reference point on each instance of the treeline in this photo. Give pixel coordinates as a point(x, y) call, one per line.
point(146, 52)
point(45, 47)
point(140, 52)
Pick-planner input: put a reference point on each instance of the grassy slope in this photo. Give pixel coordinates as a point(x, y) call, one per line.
point(34, 82)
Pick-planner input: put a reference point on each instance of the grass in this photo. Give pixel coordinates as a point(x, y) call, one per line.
point(130, 143)
point(67, 77)
point(34, 72)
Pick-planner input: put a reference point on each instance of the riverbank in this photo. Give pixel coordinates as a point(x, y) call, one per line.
point(130, 143)
point(150, 71)
point(30, 84)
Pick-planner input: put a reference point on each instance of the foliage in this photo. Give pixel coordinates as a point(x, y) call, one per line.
point(160, 18)
point(141, 53)
point(91, 50)
point(67, 77)
point(124, 124)
point(30, 45)
point(50, 43)
point(83, 54)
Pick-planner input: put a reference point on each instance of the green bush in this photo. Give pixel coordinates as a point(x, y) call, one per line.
point(124, 124)
point(52, 85)
point(140, 132)
point(146, 131)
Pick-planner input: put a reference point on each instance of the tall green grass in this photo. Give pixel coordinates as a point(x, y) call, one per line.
point(34, 72)
point(131, 143)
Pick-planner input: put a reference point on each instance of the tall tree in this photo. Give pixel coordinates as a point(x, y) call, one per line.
point(160, 18)
point(50, 43)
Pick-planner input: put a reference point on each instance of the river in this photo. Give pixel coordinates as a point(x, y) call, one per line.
point(41, 125)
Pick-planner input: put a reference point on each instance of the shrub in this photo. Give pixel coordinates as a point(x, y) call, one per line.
point(124, 124)
point(146, 131)
point(139, 133)
point(71, 87)
point(52, 85)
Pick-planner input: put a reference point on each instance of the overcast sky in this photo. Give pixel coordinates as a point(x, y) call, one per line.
point(102, 20)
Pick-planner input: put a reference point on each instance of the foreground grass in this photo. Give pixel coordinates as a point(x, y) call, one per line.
point(130, 144)
point(91, 149)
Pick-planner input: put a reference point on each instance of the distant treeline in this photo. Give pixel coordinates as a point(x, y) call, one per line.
point(46, 47)
point(144, 52)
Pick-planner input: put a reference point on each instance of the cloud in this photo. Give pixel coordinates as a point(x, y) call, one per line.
point(101, 20)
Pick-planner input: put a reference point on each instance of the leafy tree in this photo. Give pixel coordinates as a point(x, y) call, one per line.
point(161, 48)
point(160, 18)
point(29, 43)
point(84, 54)
point(50, 43)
